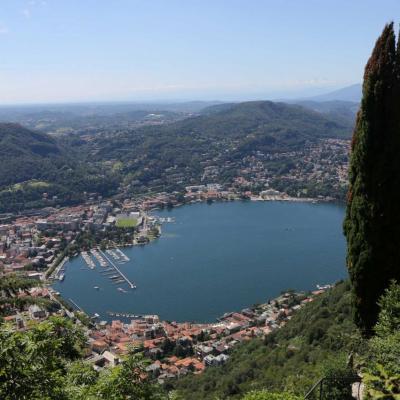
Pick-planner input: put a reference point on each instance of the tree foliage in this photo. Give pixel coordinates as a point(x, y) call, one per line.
point(45, 363)
point(265, 395)
point(10, 286)
point(372, 221)
point(382, 370)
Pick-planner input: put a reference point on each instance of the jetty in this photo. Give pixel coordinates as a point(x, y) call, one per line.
point(132, 285)
point(123, 315)
point(99, 258)
point(60, 270)
point(90, 263)
point(122, 254)
point(117, 255)
point(76, 305)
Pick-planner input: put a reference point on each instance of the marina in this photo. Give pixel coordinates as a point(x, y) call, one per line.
point(117, 255)
point(122, 276)
point(122, 255)
point(88, 260)
point(99, 258)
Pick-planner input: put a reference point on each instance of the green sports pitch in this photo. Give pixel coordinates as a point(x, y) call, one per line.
point(126, 223)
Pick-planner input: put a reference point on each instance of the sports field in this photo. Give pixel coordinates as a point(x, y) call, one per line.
point(126, 223)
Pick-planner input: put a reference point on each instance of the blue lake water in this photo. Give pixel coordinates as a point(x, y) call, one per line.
point(218, 258)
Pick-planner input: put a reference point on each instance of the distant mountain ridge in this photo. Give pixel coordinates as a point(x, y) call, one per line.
point(343, 112)
point(349, 93)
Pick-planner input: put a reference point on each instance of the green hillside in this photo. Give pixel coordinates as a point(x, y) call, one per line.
point(292, 358)
point(25, 154)
point(33, 163)
point(273, 126)
point(67, 166)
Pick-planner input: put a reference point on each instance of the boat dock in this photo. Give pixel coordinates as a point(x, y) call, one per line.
point(76, 305)
point(122, 254)
point(113, 254)
point(99, 258)
point(132, 285)
point(60, 270)
point(90, 263)
point(117, 255)
point(124, 315)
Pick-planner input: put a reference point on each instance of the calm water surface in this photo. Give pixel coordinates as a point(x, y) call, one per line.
point(218, 258)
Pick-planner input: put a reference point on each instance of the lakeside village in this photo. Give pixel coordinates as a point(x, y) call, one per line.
point(37, 243)
point(173, 349)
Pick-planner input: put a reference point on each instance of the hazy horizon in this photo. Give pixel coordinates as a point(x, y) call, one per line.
point(132, 51)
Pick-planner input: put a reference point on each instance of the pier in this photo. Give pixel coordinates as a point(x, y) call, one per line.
point(99, 258)
point(124, 315)
point(117, 255)
point(59, 270)
point(90, 263)
point(132, 286)
point(76, 305)
point(122, 255)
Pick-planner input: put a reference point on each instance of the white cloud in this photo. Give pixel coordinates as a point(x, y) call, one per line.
point(26, 13)
point(33, 3)
point(3, 30)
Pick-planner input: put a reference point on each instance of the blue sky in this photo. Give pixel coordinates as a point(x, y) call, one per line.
point(84, 50)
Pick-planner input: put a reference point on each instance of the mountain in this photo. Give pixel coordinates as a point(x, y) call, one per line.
point(222, 140)
point(348, 93)
point(263, 118)
point(240, 128)
point(343, 112)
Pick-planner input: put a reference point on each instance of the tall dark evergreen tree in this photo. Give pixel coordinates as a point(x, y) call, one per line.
point(372, 224)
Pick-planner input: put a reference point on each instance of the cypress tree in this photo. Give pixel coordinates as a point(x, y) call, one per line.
point(372, 223)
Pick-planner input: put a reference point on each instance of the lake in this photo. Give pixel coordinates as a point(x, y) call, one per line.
point(218, 258)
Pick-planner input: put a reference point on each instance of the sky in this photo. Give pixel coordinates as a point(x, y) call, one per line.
point(135, 50)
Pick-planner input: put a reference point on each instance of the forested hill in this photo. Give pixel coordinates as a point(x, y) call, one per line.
point(25, 154)
point(262, 118)
point(162, 157)
point(252, 126)
point(15, 140)
point(33, 164)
